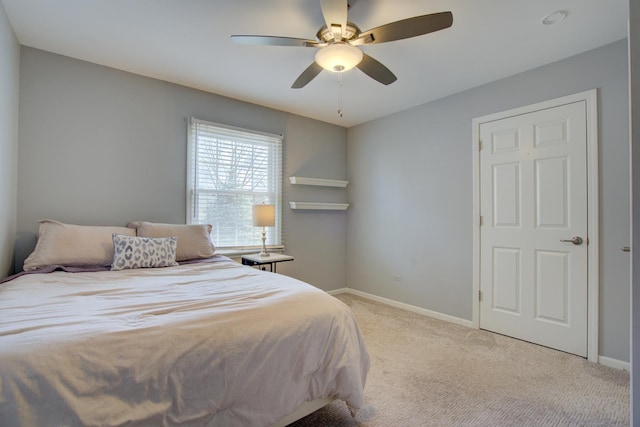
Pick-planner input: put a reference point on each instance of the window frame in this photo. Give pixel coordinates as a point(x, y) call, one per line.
point(274, 234)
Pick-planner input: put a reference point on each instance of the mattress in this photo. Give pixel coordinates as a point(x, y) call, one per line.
point(213, 343)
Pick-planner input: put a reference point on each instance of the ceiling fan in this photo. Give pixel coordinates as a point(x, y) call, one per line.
point(337, 41)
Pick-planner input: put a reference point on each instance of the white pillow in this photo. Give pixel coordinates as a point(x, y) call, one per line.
point(194, 240)
point(143, 252)
point(73, 245)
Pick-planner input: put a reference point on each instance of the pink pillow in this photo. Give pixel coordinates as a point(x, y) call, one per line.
point(73, 245)
point(194, 240)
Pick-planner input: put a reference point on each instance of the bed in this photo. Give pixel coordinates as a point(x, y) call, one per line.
point(204, 342)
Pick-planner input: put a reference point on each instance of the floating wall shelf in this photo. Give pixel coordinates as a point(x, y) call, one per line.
point(319, 206)
point(299, 180)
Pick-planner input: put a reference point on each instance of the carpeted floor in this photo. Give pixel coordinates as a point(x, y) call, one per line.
point(427, 372)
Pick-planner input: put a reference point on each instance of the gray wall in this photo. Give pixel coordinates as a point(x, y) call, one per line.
point(9, 78)
point(100, 146)
point(410, 228)
point(317, 238)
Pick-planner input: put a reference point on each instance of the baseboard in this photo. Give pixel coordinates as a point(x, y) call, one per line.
point(408, 307)
point(614, 363)
point(605, 361)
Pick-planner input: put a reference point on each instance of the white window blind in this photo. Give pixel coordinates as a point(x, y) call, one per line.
point(229, 170)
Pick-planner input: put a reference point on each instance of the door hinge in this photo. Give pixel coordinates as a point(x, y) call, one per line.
point(480, 296)
point(480, 220)
point(480, 145)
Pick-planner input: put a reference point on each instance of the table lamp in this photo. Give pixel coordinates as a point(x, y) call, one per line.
point(264, 216)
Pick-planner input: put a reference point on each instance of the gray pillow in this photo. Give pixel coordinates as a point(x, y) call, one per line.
point(143, 252)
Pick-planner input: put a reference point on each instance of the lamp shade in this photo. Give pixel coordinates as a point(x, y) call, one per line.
point(264, 215)
point(339, 57)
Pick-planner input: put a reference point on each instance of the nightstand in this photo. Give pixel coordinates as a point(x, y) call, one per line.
point(272, 260)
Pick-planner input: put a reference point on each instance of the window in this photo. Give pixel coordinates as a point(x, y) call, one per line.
point(229, 170)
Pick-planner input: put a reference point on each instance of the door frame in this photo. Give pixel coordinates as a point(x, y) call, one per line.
point(593, 250)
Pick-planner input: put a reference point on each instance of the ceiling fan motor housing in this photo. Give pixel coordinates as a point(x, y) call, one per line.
point(326, 35)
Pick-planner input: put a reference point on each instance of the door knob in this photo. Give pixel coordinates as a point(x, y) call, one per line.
point(576, 240)
point(626, 249)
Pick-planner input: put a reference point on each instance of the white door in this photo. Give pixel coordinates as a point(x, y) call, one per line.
point(533, 236)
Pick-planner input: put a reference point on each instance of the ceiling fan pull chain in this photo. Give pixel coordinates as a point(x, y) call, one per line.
point(340, 95)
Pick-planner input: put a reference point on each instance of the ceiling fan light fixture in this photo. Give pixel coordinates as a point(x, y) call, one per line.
point(338, 57)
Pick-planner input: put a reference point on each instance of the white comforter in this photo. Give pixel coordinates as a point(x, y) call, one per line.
point(203, 344)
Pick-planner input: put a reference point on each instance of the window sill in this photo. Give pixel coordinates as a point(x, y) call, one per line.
point(234, 253)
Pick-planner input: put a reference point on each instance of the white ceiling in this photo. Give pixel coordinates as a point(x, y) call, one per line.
point(187, 42)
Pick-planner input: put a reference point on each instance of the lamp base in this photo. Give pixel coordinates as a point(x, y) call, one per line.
point(264, 252)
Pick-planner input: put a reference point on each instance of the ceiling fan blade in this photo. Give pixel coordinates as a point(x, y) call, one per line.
point(275, 41)
point(335, 16)
point(376, 70)
point(307, 75)
point(406, 28)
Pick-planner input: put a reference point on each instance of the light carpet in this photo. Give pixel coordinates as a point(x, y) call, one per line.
point(428, 372)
